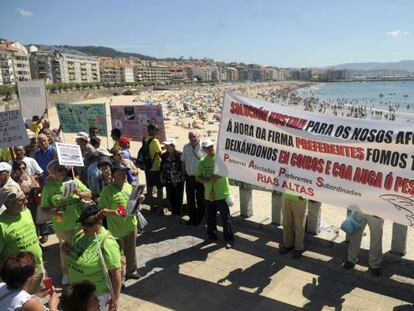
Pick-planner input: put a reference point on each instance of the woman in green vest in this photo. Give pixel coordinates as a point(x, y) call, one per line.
point(85, 263)
point(65, 210)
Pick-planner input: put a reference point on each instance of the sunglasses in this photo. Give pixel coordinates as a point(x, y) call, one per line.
point(22, 168)
point(88, 223)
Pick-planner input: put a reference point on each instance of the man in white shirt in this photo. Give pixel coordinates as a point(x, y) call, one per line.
point(33, 168)
point(192, 153)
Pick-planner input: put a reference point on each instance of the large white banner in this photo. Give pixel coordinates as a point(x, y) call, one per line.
point(32, 96)
point(364, 165)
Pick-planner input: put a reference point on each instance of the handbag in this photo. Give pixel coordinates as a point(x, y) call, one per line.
point(351, 224)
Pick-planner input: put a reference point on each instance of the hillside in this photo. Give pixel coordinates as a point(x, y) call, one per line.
point(105, 51)
point(401, 66)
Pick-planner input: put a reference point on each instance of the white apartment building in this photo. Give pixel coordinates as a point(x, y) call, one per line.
point(6, 65)
point(14, 63)
point(75, 67)
point(232, 74)
point(21, 63)
point(115, 70)
point(128, 74)
point(205, 73)
point(151, 73)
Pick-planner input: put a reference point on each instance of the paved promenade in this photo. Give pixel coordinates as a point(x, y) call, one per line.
point(182, 272)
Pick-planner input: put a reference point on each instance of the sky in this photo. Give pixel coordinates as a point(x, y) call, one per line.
point(291, 33)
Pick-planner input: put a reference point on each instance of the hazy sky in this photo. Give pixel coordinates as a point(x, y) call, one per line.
point(282, 33)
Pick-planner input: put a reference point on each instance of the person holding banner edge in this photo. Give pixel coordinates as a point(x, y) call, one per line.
point(216, 194)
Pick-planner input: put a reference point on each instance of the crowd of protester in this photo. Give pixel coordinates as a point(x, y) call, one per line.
point(34, 205)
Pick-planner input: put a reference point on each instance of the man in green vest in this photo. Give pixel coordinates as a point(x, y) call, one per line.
point(216, 194)
point(18, 232)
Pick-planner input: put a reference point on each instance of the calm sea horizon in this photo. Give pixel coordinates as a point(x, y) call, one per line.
point(377, 94)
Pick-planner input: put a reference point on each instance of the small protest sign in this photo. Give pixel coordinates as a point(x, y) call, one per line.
point(68, 188)
point(69, 154)
point(12, 129)
point(133, 202)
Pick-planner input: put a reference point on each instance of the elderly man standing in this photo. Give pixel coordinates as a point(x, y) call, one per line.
point(216, 195)
point(192, 154)
point(18, 232)
point(44, 155)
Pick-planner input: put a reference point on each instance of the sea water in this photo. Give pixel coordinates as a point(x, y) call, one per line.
point(380, 95)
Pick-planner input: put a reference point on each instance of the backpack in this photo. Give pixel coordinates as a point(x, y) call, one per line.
point(144, 160)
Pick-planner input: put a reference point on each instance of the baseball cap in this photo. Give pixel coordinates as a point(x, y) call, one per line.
point(90, 210)
point(125, 140)
point(4, 166)
point(207, 143)
point(103, 152)
point(170, 141)
point(104, 161)
point(9, 192)
point(117, 167)
point(82, 135)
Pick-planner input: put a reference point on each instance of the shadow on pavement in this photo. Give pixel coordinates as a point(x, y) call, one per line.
point(166, 246)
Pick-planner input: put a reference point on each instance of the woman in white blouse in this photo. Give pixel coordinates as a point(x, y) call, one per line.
point(16, 274)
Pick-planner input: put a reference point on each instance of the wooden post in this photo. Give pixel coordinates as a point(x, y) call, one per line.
point(277, 206)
